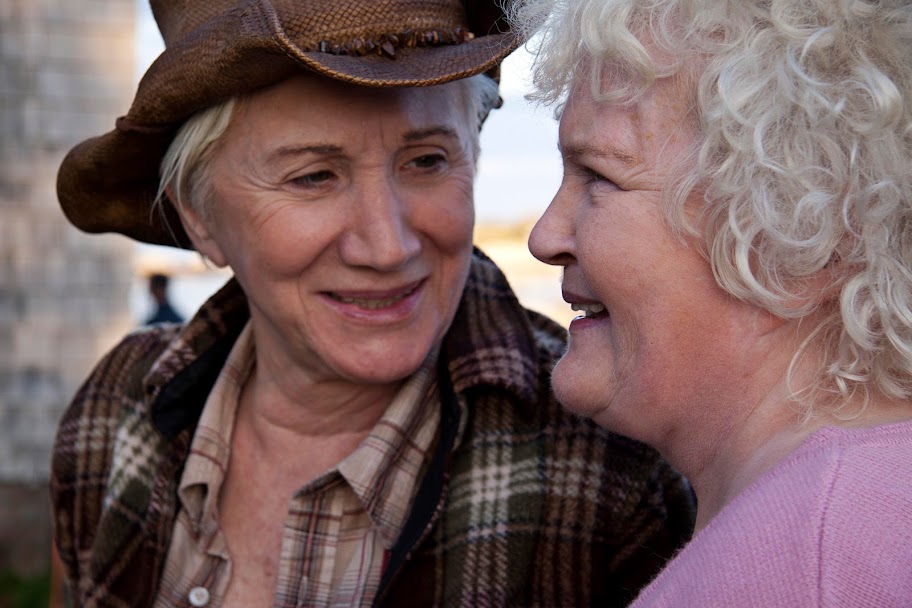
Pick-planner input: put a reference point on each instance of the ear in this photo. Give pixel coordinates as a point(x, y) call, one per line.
point(197, 228)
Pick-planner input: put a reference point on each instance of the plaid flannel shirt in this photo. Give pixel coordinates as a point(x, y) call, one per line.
point(523, 504)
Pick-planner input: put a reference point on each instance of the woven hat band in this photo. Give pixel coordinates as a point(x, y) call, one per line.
point(317, 23)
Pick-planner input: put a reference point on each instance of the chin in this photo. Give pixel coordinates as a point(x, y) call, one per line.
point(586, 393)
point(387, 368)
point(381, 377)
point(574, 391)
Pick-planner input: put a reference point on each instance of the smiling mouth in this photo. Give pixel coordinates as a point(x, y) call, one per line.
point(590, 311)
point(369, 303)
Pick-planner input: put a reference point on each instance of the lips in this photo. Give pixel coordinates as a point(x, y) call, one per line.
point(591, 309)
point(374, 300)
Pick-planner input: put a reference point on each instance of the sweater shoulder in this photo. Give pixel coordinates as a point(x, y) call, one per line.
point(829, 523)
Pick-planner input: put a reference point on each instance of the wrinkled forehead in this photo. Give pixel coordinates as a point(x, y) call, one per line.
point(667, 102)
point(321, 101)
point(649, 133)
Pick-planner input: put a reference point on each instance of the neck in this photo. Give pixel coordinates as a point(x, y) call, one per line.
point(767, 437)
point(320, 423)
point(738, 422)
point(306, 407)
point(745, 455)
point(289, 407)
point(292, 389)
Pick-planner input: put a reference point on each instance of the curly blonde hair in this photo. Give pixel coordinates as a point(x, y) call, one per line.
point(804, 159)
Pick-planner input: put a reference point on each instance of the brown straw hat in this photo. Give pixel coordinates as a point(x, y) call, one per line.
point(216, 49)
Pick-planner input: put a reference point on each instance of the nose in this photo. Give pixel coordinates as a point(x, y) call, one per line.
point(380, 235)
point(552, 239)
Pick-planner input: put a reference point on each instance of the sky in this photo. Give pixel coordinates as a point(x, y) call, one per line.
point(520, 168)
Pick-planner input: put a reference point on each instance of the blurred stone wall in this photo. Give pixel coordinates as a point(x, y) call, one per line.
point(66, 72)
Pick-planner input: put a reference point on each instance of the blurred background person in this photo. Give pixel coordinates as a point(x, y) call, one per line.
point(735, 226)
point(361, 416)
point(163, 311)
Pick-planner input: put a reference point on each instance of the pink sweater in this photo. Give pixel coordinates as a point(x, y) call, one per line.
point(829, 526)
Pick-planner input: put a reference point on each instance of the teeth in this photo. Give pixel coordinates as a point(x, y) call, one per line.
point(589, 309)
point(372, 304)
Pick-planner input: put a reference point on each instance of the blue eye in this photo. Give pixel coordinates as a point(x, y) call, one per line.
point(314, 179)
point(428, 161)
point(595, 178)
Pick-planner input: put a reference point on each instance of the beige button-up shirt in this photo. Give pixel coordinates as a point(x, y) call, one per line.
point(339, 528)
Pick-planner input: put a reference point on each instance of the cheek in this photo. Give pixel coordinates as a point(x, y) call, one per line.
point(607, 224)
point(448, 218)
point(282, 238)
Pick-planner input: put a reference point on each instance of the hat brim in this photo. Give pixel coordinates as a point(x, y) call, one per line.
point(109, 183)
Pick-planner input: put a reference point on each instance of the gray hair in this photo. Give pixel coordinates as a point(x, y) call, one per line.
point(804, 158)
point(185, 168)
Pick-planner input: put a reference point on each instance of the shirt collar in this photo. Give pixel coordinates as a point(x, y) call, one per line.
point(386, 468)
point(383, 471)
point(210, 450)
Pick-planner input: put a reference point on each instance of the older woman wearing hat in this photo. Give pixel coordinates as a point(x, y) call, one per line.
point(362, 416)
point(735, 223)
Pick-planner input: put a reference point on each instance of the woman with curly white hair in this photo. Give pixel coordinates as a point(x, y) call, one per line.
point(735, 224)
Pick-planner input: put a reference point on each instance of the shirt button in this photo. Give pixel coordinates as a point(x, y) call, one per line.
point(199, 597)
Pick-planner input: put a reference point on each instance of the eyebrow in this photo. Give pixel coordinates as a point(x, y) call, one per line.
point(574, 152)
point(332, 150)
point(320, 149)
point(419, 134)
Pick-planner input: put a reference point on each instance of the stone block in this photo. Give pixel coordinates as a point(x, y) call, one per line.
point(14, 186)
point(65, 129)
point(7, 271)
point(19, 11)
point(13, 302)
point(102, 112)
point(34, 344)
point(66, 72)
point(91, 48)
point(25, 528)
point(57, 82)
point(89, 12)
point(7, 353)
point(11, 125)
point(31, 122)
point(22, 40)
point(17, 227)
